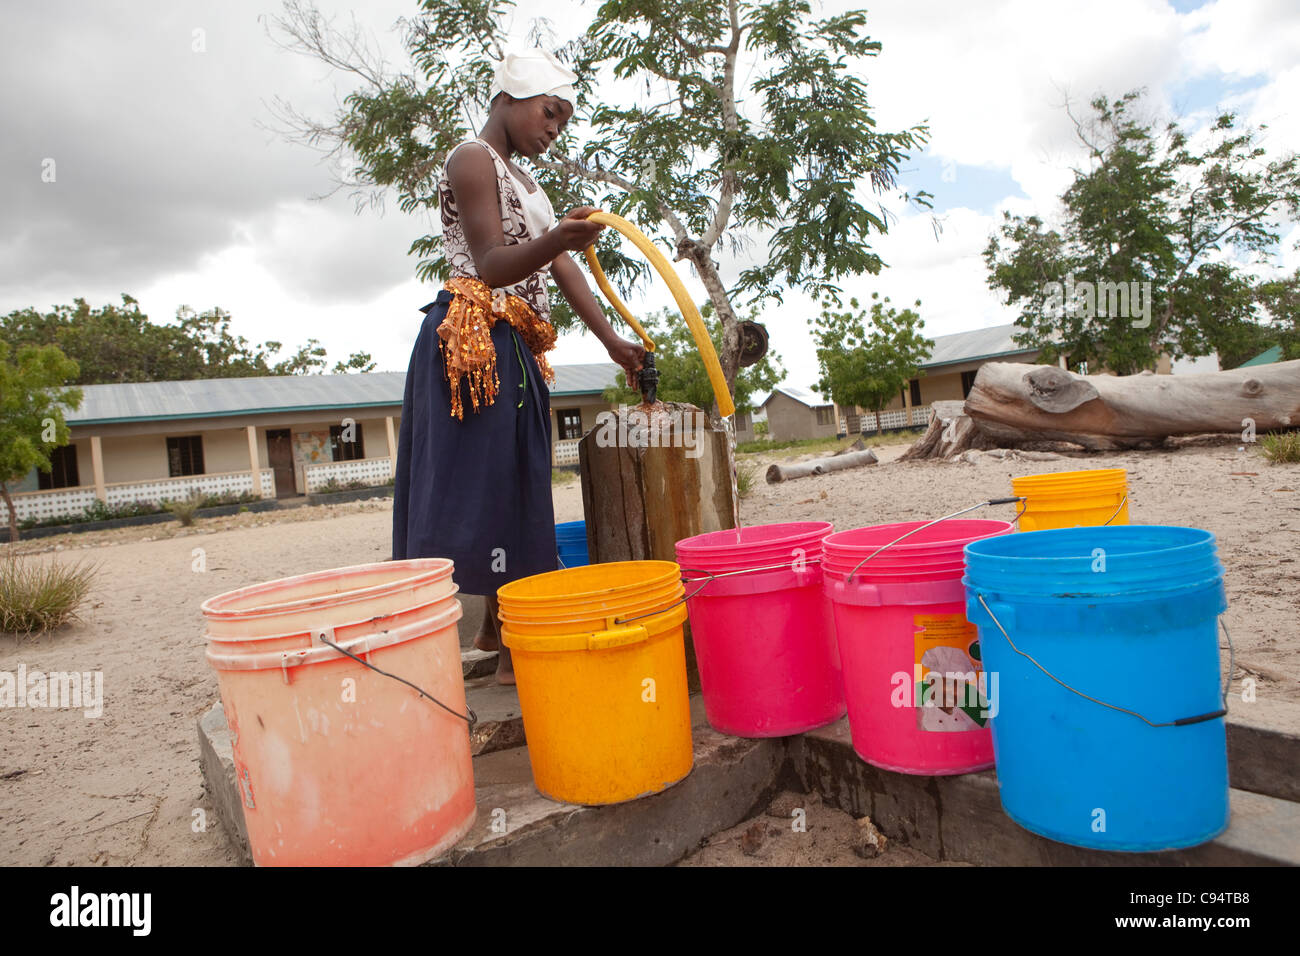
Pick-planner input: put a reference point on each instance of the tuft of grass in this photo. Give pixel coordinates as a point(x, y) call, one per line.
point(183, 509)
point(1281, 448)
point(562, 476)
point(38, 596)
point(746, 476)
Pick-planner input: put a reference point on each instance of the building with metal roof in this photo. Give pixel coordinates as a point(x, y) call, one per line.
point(265, 437)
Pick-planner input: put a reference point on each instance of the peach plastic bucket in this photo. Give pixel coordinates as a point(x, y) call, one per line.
point(327, 598)
point(337, 764)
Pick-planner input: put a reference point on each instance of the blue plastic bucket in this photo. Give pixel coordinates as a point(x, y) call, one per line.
point(571, 544)
point(1127, 615)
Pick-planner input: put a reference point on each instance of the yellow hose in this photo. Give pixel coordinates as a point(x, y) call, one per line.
point(684, 302)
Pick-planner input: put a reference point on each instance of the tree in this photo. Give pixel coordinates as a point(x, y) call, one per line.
point(704, 158)
point(1138, 266)
point(120, 344)
point(868, 366)
point(32, 398)
point(682, 377)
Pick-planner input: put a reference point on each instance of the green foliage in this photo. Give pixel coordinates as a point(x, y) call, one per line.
point(184, 508)
point(38, 596)
point(1281, 448)
point(562, 476)
point(760, 428)
point(119, 344)
point(746, 479)
point(682, 376)
point(1154, 211)
point(713, 152)
point(33, 395)
point(867, 358)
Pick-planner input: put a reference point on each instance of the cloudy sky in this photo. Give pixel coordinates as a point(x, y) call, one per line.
point(150, 116)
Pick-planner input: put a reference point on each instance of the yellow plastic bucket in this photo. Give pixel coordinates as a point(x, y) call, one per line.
point(1072, 499)
point(604, 700)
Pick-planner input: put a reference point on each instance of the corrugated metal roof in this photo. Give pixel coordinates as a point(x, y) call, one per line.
point(215, 397)
point(976, 344)
point(1266, 357)
point(584, 379)
point(802, 395)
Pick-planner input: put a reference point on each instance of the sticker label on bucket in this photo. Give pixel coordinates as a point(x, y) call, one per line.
point(950, 691)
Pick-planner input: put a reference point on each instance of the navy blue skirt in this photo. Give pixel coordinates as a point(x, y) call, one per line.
point(477, 491)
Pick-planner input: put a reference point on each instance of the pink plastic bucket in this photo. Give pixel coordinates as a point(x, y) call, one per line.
point(764, 641)
point(912, 674)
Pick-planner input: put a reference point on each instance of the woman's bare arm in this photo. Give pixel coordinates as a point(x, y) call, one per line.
point(573, 284)
point(473, 178)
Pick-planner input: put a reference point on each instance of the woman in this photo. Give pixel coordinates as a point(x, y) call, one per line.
point(474, 455)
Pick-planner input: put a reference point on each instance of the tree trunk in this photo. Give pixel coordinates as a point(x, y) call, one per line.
point(951, 432)
point(821, 466)
point(642, 495)
point(1011, 403)
point(878, 429)
point(708, 273)
point(13, 512)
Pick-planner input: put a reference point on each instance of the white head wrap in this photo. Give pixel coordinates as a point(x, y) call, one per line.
point(534, 73)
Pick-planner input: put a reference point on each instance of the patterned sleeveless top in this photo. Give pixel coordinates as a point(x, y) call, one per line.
point(514, 226)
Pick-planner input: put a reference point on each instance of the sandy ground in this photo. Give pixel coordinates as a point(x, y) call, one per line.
point(797, 829)
point(126, 787)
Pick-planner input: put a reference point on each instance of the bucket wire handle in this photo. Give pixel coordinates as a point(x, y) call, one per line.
point(682, 600)
point(982, 504)
point(1122, 502)
point(1180, 722)
point(472, 717)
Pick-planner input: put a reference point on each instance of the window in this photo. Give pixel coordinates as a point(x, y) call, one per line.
point(63, 470)
point(569, 421)
point(826, 415)
point(347, 450)
point(185, 456)
point(916, 391)
point(967, 382)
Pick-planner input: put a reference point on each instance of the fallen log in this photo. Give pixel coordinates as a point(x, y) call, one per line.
point(1012, 403)
point(821, 466)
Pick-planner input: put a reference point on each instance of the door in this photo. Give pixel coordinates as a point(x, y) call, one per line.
point(279, 452)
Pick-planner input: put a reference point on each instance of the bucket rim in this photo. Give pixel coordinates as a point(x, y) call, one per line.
point(662, 570)
point(435, 569)
point(700, 544)
point(596, 640)
point(1196, 538)
point(1092, 477)
point(322, 653)
point(913, 548)
point(233, 640)
point(585, 610)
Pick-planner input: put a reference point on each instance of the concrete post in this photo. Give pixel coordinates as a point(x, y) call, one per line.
point(392, 445)
point(253, 461)
point(97, 465)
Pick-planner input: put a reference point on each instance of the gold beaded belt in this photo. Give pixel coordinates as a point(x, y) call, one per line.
point(466, 334)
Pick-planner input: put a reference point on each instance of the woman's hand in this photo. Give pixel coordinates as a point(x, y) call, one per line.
point(576, 231)
point(630, 355)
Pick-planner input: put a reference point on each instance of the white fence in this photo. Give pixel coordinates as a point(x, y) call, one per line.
point(566, 452)
point(372, 471)
point(72, 502)
point(918, 416)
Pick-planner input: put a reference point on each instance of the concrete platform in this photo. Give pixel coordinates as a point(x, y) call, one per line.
point(948, 818)
point(961, 818)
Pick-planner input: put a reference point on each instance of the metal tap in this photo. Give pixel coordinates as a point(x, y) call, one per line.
point(649, 379)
